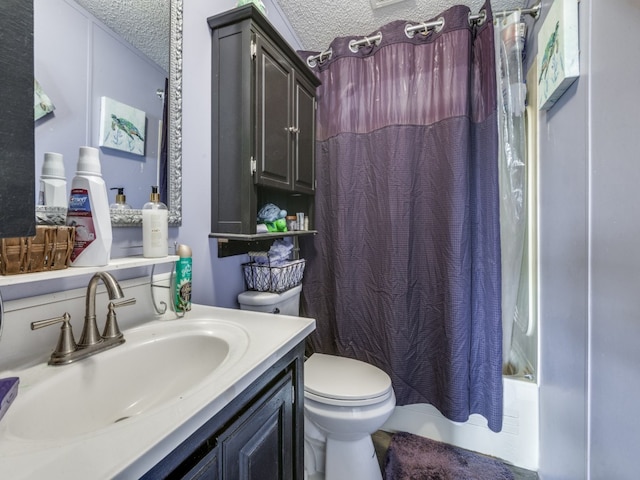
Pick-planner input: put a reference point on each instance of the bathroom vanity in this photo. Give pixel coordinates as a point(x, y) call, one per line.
point(258, 435)
point(218, 391)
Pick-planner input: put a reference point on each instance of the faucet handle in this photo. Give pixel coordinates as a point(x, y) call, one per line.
point(124, 303)
point(111, 329)
point(66, 343)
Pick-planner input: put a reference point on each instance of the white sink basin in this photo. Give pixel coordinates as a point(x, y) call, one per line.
point(158, 364)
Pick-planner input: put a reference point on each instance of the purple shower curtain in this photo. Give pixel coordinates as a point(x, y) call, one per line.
point(405, 270)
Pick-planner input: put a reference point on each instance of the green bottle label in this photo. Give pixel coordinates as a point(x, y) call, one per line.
point(183, 285)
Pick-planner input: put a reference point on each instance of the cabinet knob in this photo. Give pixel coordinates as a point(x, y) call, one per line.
point(292, 129)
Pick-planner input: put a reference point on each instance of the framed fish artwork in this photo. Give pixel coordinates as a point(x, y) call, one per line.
point(122, 127)
point(42, 104)
point(558, 52)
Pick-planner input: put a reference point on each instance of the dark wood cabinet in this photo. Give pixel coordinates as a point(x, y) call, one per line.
point(285, 122)
point(257, 436)
point(259, 445)
point(263, 123)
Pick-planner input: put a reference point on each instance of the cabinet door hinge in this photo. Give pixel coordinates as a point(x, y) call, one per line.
point(254, 49)
point(253, 165)
point(293, 394)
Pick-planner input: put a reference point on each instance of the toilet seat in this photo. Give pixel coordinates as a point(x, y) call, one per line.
point(342, 381)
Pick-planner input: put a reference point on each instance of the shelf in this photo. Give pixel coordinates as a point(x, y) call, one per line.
point(114, 264)
point(242, 237)
point(230, 244)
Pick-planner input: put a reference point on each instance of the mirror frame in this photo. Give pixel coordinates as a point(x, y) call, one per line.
point(133, 217)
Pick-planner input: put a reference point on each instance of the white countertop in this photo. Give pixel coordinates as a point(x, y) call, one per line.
point(130, 448)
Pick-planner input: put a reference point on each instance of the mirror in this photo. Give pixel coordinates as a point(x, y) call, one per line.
point(174, 154)
point(86, 67)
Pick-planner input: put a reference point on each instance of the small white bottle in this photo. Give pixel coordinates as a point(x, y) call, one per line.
point(155, 227)
point(89, 212)
point(53, 183)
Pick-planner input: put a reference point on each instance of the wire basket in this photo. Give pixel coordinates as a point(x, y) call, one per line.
point(263, 277)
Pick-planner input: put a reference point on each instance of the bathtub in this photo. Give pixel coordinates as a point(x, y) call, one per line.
point(516, 444)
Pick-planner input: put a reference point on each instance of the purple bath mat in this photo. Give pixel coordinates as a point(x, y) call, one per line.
point(411, 457)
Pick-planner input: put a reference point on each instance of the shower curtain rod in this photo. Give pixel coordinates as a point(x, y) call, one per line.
point(409, 30)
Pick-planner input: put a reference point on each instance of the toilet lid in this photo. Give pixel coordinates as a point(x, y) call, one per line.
point(342, 378)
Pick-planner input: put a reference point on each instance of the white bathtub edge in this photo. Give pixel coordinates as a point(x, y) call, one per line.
point(516, 444)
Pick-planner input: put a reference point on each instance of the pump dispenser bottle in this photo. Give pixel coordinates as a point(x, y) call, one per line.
point(121, 200)
point(155, 227)
point(89, 213)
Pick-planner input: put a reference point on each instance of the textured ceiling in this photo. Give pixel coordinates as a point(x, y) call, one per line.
point(318, 22)
point(145, 23)
point(142, 23)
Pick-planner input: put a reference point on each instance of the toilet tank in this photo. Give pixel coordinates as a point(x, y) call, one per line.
point(285, 303)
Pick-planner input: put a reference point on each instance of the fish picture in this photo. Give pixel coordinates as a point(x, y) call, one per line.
point(42, 104)
point(558, 52)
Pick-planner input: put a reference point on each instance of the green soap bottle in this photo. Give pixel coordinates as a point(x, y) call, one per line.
point(182, 295)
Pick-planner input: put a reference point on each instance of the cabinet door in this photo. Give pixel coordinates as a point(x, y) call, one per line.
point(233, 203)
point(259, 446)
point(207, 468)
point(304, 155)
point(274, 78)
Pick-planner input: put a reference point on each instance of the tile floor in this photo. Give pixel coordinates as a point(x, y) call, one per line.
point(381, 441)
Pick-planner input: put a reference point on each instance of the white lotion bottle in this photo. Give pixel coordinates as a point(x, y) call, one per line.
point(89, 212)
point(155, 227)
point(53, 183)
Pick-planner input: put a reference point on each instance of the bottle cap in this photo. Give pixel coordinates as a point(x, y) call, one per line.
point(155, 196)
point(53, 165)
point(89, 161)
point(183, 251)
point(120, 197)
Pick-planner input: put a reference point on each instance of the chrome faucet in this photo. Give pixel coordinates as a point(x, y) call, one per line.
point(91, 342)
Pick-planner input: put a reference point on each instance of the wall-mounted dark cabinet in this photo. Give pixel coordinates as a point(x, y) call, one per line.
point(263, 123)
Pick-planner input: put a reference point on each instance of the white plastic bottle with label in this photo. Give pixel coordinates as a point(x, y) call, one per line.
point(89, 212)
point(155, 227)
point(53, 183)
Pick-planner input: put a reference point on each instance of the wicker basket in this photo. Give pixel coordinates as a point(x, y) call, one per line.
point(50, 249)
point(263, 277)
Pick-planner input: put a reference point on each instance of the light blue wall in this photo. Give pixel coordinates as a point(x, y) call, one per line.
point(216, 281)
point(77, 61)
point(563, 276)
point(614, 356)
point(589, 265)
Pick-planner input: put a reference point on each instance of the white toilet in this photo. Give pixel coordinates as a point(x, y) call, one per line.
point(345, 401)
